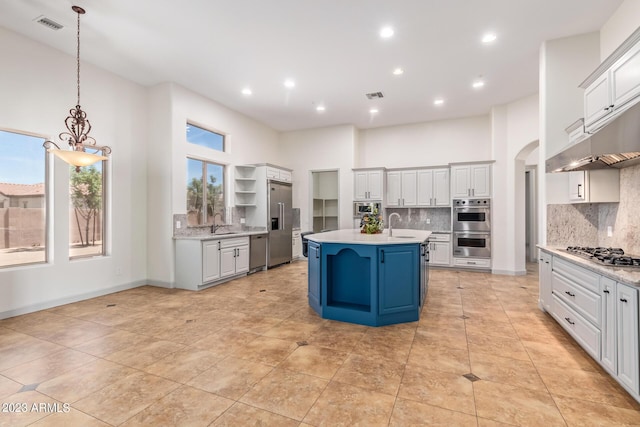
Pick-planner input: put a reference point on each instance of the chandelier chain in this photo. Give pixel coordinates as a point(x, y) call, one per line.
point(78, 58)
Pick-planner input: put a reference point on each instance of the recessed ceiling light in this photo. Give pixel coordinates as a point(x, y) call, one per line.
point(438, 101)
point(478, 84)
point(489, 38)
point(398, 71)
point(247, 91)
point(290, 84)
point(373, 111)
point(386, 32)
point(320, 108)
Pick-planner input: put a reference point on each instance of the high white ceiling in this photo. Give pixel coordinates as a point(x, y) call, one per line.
point(330, 48)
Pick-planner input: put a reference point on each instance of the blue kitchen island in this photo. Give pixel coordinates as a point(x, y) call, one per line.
point(369, 279)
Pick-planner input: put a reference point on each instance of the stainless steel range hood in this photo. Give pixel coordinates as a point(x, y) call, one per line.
point(616, 145)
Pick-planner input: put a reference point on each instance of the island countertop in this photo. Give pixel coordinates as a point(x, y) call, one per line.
point(353, 236)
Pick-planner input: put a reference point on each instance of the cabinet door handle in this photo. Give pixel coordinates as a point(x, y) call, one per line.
point(579, 188)
point(382, 257)
point(569, 320)
point(623, 300)
point(569, 293)
point(471, 263)
point(546, 262)
point(606, 291)
point(399, 202)
point(541, 259)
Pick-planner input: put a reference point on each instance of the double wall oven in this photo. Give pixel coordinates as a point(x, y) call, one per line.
point(472, 228)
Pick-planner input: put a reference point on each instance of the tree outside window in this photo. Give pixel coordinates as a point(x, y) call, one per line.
point(200, 212)
point(87, 207)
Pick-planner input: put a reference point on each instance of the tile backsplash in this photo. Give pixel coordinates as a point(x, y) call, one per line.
point(416, 218)
point(587, 224)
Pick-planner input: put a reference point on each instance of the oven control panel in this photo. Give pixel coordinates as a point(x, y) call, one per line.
point(471, 202)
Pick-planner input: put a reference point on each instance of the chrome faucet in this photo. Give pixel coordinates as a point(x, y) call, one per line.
point(390, 227)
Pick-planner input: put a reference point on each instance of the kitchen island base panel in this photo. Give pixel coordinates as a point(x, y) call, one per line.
point(373, 285)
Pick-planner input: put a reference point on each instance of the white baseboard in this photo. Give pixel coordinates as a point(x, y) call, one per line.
point(75, 298)
point(510, 272)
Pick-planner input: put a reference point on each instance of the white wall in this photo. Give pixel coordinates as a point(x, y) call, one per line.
point(426, 144)
point(620, 25)
point(514, 136)
point(564, 64)
point(319, 149)
point(248, 141)
point(38, 88)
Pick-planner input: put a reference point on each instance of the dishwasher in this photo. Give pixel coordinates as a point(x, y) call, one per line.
point(258, 252)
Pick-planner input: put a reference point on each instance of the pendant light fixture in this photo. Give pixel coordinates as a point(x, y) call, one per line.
point(78, 127)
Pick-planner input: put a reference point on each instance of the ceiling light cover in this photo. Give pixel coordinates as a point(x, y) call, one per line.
point(247, 91)
point(489, 38)
point(386, 32)
point(478, 84)
point(290, 84)
point(438, 101)
point(398, 71)
point(320, 108)
point(373, 111)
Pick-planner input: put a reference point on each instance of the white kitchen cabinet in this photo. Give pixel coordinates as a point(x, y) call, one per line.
point(402, 188)
point(296, 244)
point(234, 256)
point(595, 186)
point(210, 260)
point(614, 86)
point(625, 78)
point(418, 188)
point(472, 180)
point(201, 263)
point(368, 184)
point(627, 336)
point(440, 249)
point(278, 174)
point(433, 187)
point(609, 352)
point(544, 276)
point(597, 101)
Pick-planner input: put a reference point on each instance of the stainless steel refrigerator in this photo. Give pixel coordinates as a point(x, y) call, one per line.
point(281, 217)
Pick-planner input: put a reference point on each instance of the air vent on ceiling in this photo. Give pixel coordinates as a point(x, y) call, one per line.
point(375, 95)
point(48, 23)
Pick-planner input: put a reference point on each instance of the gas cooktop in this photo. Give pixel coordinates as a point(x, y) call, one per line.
point(608, 256)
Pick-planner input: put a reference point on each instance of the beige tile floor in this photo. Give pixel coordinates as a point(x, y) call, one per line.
point(251, 352)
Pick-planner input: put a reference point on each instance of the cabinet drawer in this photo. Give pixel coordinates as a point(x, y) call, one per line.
point(472, 262)
point(440, 238)
point(582, 276)
point(587, 335)
point(583, 301)
point(238, 241)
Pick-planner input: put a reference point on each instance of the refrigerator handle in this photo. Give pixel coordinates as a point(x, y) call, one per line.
point(282, 216)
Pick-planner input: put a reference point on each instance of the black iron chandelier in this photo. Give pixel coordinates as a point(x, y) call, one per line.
point(78, 126)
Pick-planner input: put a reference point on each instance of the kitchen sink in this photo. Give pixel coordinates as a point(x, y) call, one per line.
point(404, 237)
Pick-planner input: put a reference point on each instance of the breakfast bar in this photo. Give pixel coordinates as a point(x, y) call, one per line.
point(368, 279)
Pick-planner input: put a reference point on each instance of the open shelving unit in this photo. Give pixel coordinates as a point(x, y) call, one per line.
point(245, 186)
point(325, 201)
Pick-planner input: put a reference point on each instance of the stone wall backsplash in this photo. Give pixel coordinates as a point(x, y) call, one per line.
point(416, 218)
point(587, 224)
point(233, 224)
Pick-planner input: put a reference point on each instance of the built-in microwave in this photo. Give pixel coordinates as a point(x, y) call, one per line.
point(361, 208)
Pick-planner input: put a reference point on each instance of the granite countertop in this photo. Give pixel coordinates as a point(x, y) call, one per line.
point(222, 235)
point(353, 236)
point(627, 275)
